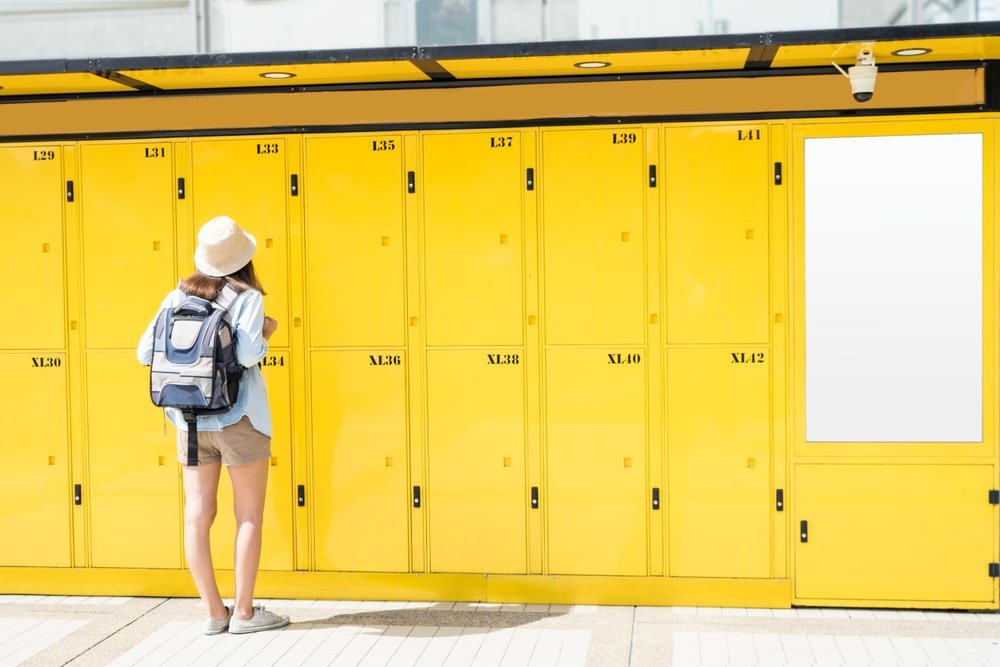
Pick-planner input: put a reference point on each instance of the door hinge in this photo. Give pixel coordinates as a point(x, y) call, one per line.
point(995, 570)
point(77, 494)
point(777, 173)
point(69, 190)
point(530, 179)
point(534, 497)
point(416, 496)
point(301, 493)
point(295, 185)
point(656, 497)
point(652, 175)
point(994, 497)
point(803, 531)
point(779, 501)
point(180, 188)
point(411, 182)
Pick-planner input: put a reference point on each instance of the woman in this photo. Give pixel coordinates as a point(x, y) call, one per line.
point(239, 438)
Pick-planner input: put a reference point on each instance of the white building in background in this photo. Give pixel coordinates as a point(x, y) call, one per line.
point(40, 29)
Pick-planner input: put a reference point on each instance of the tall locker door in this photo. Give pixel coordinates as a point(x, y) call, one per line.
point(247, 180)
point(719, 472)
point(476, 488)
point(35, 519)
point(31, 255)
point(474, 297)
point(594, 185)
point(126, 194)
point(276, 550)
point(354, 230)
point(134, 492)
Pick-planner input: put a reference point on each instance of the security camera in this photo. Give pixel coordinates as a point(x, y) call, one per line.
point(861, 75)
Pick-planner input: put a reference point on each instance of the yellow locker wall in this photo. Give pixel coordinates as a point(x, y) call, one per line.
point(31, 255)
point(35, 518)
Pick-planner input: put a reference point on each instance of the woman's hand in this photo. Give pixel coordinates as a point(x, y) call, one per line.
point(270, 325)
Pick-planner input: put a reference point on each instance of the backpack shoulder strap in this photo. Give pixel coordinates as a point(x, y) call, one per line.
point(226, 297)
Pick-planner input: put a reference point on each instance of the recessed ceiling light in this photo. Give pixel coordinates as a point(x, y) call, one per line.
point(592, 64)
point(914, 51)
point(277, 75)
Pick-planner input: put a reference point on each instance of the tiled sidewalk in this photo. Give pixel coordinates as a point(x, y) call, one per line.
point(60, 630)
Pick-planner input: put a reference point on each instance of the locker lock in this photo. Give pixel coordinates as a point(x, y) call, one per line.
point(416, 496)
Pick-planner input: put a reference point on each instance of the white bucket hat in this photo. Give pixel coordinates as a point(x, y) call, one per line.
point(223, 248)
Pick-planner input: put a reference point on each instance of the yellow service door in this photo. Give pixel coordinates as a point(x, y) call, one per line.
point(31, 254)
point(893, 532)
point(277, 549)
point(35, 519)
point(359, 455)
point(126, 194)
point(593, 215)
point(134, 490)
point(716, 181)
point(247, 179)
point(476, 495)
point(719, 462)
point(595, 505)
point(473, 231)
point(355, 288)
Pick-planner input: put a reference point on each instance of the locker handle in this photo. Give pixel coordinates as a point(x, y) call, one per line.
point(416, 496)
point(77, 494)
point(777, 173)
point(411, 182)
point(295, 185)
point(656, 498)
point(531, 179)
point(302, 495)
point(180, 188)
point(780, 500)
point(652, 175)
point(803, 531)
point(534, 497)
point(69, 191)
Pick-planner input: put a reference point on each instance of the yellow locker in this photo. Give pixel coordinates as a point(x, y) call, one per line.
point(134, 482)
point(126, 197)
point(596, 497)
point(593, 215)
point(35, 519)
point(354, 239)
point(247, 180)
point(31, 255)
point(359, 454)
point(476, 496)
point(473, 238)
point(276, 551)
point(719, 462)
point(894, 532)
point(716, 181)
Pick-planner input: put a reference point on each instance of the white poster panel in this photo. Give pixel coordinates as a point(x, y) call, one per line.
point(894, 288)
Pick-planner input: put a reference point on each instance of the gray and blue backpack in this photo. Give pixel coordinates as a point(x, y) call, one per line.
point(194, 366)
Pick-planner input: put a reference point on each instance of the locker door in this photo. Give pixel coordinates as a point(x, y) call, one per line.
point(359, 453)
point(31, 255)
point(894, 532)
point(596, 461)
point(247, 180)
point(476, 487)
point(716, 181)
point(719, 462)
point(35, 519)
point(276, 551)
point(354, 241)
point(473, 238)
point(126, 198)
point(593, 214)
point(134, 492)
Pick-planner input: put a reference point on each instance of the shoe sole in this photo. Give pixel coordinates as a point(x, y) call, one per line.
point(215, 632)
point(260, 628)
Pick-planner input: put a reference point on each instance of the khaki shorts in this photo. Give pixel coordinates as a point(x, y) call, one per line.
point(234, 445)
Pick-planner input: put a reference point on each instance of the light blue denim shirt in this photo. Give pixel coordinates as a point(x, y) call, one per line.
point(247, 315)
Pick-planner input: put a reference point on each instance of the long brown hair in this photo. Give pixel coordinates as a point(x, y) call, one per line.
point(208, 287)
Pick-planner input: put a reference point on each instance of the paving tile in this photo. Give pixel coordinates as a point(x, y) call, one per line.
point(35, 638)
point(466, 647)
point(363, 641)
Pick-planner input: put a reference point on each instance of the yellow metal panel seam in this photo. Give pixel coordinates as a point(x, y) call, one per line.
point(532, 328)
point(184, 243)
point(654, 353)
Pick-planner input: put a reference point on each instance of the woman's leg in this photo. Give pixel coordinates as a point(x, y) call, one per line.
point(249, 484)
point(201, 485)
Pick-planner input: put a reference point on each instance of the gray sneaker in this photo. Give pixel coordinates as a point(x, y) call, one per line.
point(214, 626)
point(262, 619)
